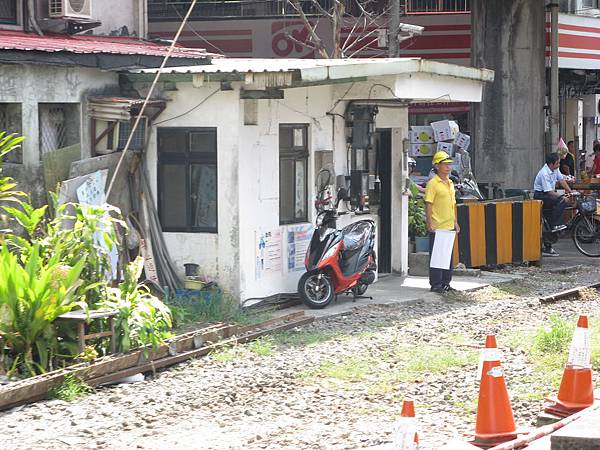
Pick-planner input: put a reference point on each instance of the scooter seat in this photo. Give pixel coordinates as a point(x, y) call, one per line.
point(356, 234)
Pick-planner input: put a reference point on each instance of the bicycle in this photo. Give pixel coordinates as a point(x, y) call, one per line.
point(584, 227)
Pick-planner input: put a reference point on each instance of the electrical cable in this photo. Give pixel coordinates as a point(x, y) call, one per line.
point(190, 110)
point(148, 96)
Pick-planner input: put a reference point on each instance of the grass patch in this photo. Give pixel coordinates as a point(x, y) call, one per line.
point(352, 369)
point(72, 388)
point(212, 306)
point(262, 347)
point(435, 360)
point(225, 354)
point(299, 338)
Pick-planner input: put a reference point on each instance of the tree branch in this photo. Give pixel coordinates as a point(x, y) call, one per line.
point(313, 35)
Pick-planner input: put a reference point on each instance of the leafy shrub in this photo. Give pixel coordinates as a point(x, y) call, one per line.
point(417, 222)
point(142, 318)
point(32, 296)
point(70, 389)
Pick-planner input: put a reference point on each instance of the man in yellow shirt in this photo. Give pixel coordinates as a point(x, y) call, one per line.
point(440, 202)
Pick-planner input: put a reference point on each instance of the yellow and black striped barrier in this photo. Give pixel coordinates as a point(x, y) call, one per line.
point(499, 233)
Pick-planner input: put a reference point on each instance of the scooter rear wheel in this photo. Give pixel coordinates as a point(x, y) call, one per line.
point(315, 289)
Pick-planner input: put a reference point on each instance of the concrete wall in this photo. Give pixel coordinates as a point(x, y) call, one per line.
point(31, 85)
point(248, 183)
point(129, 21)
point(508, 144)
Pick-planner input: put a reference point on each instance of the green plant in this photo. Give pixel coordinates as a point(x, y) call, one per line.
point(209, 305)
point(417, 222)
point(70, 389)
point(76, 231)
point(555, 339)
point(32, 296)
point(262, 347)
point(8, 143)
point(142, 318)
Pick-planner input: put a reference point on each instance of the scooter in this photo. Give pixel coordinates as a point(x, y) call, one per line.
point(338, 261)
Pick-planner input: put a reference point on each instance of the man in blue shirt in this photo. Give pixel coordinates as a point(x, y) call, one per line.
point(544, 188)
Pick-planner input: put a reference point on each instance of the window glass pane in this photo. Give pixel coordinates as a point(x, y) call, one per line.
point(300, 184)
point(172, 141)
point(8, 11)
point(285, 138)
point(203, 141)
point(286, 190)
point(299, 137)
point(204, 195)
point(139, 138)
point(173, 196)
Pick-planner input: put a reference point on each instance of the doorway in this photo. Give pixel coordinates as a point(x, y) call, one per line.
point(384, 190)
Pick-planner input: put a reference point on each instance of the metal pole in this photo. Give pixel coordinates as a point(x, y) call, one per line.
point(393, 29)
point(554, 101)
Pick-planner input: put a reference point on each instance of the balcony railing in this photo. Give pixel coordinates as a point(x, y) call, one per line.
point(437, 6)
point(164, 9)
point(205, 9)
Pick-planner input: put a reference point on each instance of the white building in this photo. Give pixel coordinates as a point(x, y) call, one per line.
point(233, 159)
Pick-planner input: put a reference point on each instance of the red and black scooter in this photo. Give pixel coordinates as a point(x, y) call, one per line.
point(338, 261)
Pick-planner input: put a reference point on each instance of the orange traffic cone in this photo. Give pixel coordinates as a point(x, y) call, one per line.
point(406, 436)
point(576, 390)
point(495, 422)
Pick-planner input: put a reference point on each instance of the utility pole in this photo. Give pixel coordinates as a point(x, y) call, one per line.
point(393, 29)
point(554, 103)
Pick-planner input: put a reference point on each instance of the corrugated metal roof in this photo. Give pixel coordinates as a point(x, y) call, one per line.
point(18, 40)
point(331, 69)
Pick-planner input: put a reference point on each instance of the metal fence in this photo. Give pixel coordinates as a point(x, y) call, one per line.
point(437, 6)
point(173, 9)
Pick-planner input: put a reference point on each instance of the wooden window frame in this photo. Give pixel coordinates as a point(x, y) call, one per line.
point(295, 153)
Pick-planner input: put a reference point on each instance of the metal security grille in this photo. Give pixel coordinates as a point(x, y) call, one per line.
point(437, 6)
point(8, 11)
point(53, 128)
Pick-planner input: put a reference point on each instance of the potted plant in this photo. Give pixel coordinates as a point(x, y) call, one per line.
point(417, 224)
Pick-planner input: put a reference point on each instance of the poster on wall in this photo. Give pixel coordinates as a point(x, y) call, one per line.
point(298, 239)
point(269, 258)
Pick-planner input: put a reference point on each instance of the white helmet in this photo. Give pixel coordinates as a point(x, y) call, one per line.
point(411, 161)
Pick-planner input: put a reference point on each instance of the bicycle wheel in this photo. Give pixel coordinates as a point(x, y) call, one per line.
point(586, 236)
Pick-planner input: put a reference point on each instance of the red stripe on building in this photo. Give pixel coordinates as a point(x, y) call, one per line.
point(439, 55)
point(563, 26)
point(578, 55)
point(582, 42)
point(222, 45)
point(437, 42)
point(447, 27)
point(204, 33)
point(433, 108)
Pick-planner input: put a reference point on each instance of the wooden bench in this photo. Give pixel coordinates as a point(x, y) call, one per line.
point(81, 319)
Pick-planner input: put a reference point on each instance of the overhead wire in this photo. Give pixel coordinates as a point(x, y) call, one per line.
point(148, 96)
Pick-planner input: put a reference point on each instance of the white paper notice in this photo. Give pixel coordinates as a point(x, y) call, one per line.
point(442, 249)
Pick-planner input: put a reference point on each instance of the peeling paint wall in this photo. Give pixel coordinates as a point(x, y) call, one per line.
point(29, 86)
point(508, 36)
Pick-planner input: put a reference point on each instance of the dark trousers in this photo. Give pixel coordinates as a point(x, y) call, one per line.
point(438, 277)
point(556, 204)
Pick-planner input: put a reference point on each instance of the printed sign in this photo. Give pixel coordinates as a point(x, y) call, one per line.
point(268, 253)
point(298, 240)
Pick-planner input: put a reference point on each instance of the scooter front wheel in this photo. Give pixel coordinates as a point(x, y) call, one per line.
point(315, 289)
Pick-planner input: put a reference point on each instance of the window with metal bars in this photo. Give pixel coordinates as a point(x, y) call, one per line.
point(8, 12)
point(59, 125)
point(293, 173)
point(187, 179)
point(11, 122)
point(437, 6)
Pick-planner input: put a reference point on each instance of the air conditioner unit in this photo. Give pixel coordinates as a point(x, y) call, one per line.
point(76, 9)
point(591, 105)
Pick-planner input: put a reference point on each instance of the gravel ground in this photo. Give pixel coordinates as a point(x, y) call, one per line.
point(335, 384)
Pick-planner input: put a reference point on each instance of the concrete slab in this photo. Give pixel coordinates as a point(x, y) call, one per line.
point(582, 434)
point(394, 289)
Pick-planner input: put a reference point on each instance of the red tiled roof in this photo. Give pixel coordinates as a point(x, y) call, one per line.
point(18, 40)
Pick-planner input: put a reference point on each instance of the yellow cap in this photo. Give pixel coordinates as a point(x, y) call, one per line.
point(441, 157)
